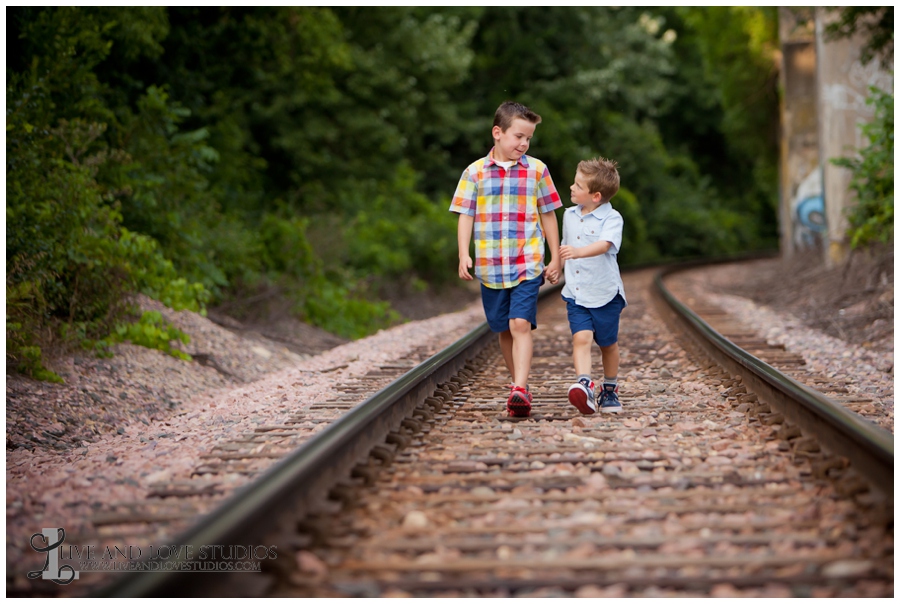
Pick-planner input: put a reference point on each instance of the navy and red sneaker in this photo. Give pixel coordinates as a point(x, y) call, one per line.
point(609, 399)
point(581, 396)
point(519, 402)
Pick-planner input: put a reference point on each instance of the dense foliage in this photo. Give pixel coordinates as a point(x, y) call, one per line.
point(209, 156)
point(872, 218)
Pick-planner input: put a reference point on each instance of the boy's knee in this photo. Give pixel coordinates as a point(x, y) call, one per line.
point(520, 325)
point(583, 338)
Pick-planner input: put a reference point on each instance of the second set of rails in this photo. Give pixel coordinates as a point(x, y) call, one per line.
point(706, 484)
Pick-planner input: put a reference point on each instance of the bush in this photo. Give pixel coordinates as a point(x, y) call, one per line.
point(286, 248)
point(398, 232)
point(156, 277)
point(151, 331)
point(70, 263)
point(344, 311)
point(62, 261)
point(872, 218)
point(636, 247)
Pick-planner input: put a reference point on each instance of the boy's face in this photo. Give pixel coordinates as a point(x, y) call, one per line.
point(581, 194)
point(512, 144)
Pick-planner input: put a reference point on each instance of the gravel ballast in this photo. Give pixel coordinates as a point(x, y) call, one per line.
point(118, 425)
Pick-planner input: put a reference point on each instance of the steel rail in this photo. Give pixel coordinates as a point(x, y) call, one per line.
point(868, 447)
point(305, 476)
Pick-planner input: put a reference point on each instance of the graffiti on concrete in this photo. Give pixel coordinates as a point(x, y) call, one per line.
point(850, 93)
point(808, 212)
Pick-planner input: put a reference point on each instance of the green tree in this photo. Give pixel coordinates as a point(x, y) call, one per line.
point(216, 155)
point(629, 83)
point(738, 45)
point(70, 262)
point(876, 23)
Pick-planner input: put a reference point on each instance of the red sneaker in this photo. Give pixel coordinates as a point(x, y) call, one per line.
point(519, 402)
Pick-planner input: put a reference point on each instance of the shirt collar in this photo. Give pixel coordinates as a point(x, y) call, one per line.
point(600, 212)
point(491, 161)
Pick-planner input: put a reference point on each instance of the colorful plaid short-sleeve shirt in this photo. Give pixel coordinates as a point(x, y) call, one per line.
point(507, 204)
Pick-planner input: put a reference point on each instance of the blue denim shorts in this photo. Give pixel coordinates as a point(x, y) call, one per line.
point(519, 302)
point(603, 321)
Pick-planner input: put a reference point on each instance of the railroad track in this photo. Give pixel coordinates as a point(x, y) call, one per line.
point(706, 484)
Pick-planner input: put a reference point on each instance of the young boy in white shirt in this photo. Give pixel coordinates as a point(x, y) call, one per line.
point(594, 292)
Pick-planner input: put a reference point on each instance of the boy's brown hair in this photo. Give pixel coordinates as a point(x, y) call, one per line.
point(601, 176)
point(511, 110)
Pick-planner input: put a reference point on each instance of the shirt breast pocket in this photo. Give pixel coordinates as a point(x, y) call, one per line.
point(590, 233)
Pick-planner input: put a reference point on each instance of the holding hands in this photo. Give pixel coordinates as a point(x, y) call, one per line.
point(551, 272)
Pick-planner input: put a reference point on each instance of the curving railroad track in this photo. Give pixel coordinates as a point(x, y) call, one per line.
point(721, 477)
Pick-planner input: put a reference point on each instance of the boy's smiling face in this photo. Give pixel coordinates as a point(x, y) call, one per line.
point(512, 144)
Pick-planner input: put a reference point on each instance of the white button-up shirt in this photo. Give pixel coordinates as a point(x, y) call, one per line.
point(593, 282)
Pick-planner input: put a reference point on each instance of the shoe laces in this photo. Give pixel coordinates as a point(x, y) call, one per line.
point(609, 394)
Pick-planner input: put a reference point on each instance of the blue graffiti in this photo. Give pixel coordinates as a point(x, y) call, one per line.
point(811, 213)
point(808, 222)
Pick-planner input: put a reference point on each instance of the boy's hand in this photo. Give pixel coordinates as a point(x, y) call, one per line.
point(551, 271)
point(465, 263)
point(567, 252)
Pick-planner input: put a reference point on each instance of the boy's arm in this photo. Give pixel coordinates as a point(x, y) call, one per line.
point(611, 237)
point(464, 203)
point(463, 237)
point(548, 201)
point(562, 242)
point(567, 252)
point(550, 225)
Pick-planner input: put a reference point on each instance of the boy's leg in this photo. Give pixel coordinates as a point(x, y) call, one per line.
point(581, 352)
point(581, 393)
point(610, 357)
point(496, 310)
point(606, 334)
point(522, 319)
point(517, 347)
point(521, 350)
point(519, 402)
point(506, 348)
point(609, 397)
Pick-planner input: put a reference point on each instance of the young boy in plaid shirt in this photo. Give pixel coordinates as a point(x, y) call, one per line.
point(509, 199)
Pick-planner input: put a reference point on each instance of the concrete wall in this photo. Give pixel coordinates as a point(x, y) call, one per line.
point(799, 130)
point(842, 87)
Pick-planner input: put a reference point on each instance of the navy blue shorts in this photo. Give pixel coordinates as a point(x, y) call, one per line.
point(519, 302)
point(603, 321)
